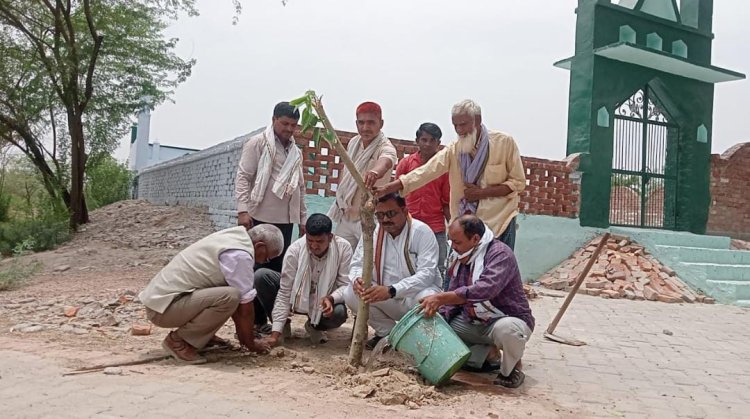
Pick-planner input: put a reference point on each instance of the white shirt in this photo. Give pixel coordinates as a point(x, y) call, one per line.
point(423, 252)
point(237, 267)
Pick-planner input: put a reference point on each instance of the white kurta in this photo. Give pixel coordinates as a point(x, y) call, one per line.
point(423, 253)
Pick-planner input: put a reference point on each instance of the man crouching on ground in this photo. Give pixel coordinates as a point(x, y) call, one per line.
point(312, 282)
point(485, 303)
point(205, 284)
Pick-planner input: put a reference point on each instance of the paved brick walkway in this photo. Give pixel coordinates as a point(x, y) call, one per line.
point(630, 368)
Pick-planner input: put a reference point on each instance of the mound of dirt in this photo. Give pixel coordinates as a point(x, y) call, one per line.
point(128, 233)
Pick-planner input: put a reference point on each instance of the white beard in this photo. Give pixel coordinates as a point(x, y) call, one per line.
point(466, 143)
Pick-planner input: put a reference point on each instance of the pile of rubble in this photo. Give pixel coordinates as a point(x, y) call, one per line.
point(112, 315)
point(389, 386)
point(624, 269)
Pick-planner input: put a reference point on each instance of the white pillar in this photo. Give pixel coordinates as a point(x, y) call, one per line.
point(139, 158)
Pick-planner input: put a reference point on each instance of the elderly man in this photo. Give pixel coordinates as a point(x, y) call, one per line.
point(429, 203)
point(485, 171)
point(485, 303)
point(374, 155)
point(405, 268)
point(270, 187)
point(205, 284)
point(312, 283)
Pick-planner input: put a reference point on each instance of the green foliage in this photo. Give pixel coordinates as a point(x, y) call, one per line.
point(108, 181)
point(14, 273)
point(4, 206)
point(19, 236)
point(310, 118)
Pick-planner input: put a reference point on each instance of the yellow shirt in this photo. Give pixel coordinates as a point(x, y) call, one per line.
point(504, 166)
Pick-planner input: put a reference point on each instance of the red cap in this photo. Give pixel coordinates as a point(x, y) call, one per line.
point(370, 107)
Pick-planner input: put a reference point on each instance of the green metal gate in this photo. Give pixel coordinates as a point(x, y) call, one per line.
point(644, 164)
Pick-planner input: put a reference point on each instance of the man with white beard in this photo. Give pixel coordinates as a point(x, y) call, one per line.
point(484, 169)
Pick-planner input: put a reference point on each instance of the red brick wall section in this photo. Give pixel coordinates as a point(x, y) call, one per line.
point(551, 186)
point(729, 213)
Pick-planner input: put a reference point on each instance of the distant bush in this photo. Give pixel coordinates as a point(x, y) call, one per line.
point(36, 235)
point(14, 273)
point(107, 181)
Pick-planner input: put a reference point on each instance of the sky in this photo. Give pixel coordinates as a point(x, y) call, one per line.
point(416, 58)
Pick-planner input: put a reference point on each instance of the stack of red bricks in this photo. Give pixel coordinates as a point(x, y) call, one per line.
point(623, 269)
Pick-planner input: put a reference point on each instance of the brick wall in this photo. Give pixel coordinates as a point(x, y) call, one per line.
point(206, 179)
point(729, 213)
point(551, 186)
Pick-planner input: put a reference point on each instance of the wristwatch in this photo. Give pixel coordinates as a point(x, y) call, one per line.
point(392, 291)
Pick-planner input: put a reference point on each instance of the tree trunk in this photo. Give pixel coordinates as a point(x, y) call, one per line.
point(78, 212)
point(363, 313)
point(367, 217)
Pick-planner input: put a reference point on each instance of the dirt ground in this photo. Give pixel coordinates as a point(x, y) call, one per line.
point(98, 274)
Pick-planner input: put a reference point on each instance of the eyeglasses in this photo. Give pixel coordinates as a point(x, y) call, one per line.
point(387, 214)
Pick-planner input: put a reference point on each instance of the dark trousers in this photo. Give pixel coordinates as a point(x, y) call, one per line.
point(509, 235)
point(276, 263)
point(267, 284)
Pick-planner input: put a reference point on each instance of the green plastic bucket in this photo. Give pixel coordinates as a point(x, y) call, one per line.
point(437, 350)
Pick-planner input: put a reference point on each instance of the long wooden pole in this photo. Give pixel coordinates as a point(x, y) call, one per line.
point(579, 282)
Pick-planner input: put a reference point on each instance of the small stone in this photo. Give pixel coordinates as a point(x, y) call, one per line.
point(630, 295)
point(593, 291)
point(140, 330)
point(650, 294)
point(381, 373)
point(61, 268)
point(667, 332)
point(666, 298)
point(392, 399)
point(363, 391)
point(12, 306)
point(70, 311)
point(708, 300)
point(277, 352)
point(27, 328)
point(26, 300)
point(610, 294)
point(112, 371)
point(308, 370)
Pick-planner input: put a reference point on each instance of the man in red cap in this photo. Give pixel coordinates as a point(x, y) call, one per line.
point(374, 156)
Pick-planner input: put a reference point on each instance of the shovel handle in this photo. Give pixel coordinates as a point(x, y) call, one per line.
point(579, 282)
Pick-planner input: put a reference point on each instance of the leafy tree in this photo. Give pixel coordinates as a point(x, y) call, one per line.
point(107, 181)
point(71, 75)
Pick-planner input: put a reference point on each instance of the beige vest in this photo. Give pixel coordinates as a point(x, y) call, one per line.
point(194, 268)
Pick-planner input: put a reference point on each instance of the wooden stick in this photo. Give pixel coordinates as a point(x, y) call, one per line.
point(118, 364)
point(578, 283)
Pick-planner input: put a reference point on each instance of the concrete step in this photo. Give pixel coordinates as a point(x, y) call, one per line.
point(734, 291)
point(743, 303)
point(703, 255)
point(673, 238)
point(720, 271)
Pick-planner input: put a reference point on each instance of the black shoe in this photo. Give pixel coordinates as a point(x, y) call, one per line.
point(370, 344)
point(487, 366)
point(514, 380)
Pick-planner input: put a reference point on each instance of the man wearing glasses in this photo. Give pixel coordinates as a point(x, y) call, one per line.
point(405, 268)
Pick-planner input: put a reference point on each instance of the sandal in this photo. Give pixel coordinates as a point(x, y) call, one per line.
point(487, 366)
point(514, 380)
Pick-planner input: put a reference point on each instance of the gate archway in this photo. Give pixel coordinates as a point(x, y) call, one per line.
point(644, 163)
